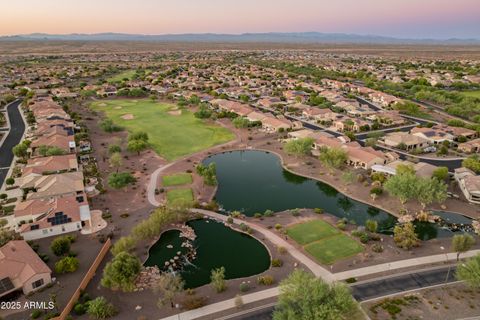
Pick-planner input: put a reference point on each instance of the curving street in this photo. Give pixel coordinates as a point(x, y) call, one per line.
point(14, 136)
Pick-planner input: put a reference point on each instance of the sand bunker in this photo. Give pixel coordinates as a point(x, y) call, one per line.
point(102, 104)
point(175, 112)
point(128, 116)
point(117, 107)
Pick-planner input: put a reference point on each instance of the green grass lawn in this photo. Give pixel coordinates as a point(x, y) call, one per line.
point(177, 179)
point(311, 231)
point(120, 76)
point(171, 135)
point(334, 248)
point(177, 196)
point(473, 94)
point(323, 241)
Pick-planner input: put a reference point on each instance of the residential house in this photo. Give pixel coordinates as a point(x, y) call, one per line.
point(271, 124)
point(364, 157)
point(53, 185)
point(49, 165)
point(407, 140)
point(472, 146)
point(40, 218)
point(433, 136)
point(469, 183)
point(21, 269)
point(63, 142)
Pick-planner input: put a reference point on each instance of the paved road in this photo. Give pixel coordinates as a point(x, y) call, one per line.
point(13, 138)
point(378, 288)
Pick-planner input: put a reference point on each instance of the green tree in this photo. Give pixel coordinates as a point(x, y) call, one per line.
point(137, 145)
point(241, 122)
point(169, 286)
point(470, 272)
point(114, 148)
point(66, 265)
point(47, 151)
point(20, 150)
point(305, 297)
point(472, 163)
point(401, 186)
point(99, 308)
point(217, 279)
point(124, 244)
point(60, 245)
point(138, 135)
point(121, 272)
point(404, 236)
point(115, 161)
point(333, 158)
point(209, 173)
point(429, 190)
point(299, 147)
point(107, 125)
point(120, 180)
point(462, 243)
point(441, 173)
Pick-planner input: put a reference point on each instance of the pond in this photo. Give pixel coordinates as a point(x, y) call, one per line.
point(240, 254)
point(254, 181)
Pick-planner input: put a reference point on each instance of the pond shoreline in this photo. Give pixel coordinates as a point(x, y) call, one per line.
point(329, 183)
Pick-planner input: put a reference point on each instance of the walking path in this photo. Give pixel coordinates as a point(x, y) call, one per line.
point(315, 268)
point(224, 305)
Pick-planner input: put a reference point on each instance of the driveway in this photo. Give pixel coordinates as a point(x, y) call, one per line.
point(14, 136)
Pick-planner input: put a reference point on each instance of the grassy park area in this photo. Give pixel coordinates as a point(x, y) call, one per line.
point(179, 196)
point(123, 75)
point(177, 179)
point(173, 132)
point(324, 242)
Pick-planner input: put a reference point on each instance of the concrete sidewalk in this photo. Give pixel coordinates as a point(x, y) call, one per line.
point(224, 305)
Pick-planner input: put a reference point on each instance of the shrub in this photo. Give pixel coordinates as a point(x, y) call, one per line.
point(282, 250)
point(60, 245)
point(265, 280)
point(277, 263)
point(79, 309)
point(36, 314)
point(278, 226)
point(100, 308)
point(371, 225)
point(244, 287)
point(258, 215)
point(67, 265)
point(351, 280)
point(295, 212)
point(217, 278)
point(377, 247)
point(341, 225)
point(230, 220)
point(269, 213)
point(194, 302)
point(318, 210)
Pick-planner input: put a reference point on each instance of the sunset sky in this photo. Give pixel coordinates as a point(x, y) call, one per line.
point(398, 18)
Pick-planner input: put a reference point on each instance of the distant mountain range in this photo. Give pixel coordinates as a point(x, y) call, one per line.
point(274, 37)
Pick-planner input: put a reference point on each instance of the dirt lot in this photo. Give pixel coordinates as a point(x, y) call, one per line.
point(454, 301)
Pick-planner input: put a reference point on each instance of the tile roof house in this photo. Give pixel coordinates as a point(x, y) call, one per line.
point(469, 183)
point(364, 157)
point(39, 218)
point(21, 269)
point(472, 146)
point(48, 165)
point(271, 124)
point(432, 135)
point(66, 143)
point(53, 185)
point(411, 142)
